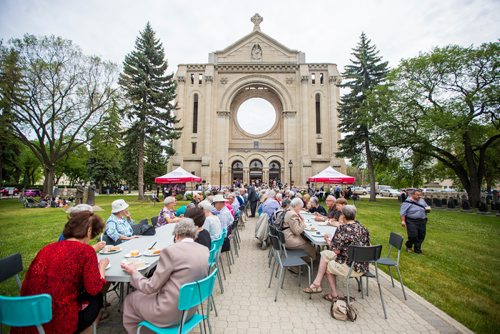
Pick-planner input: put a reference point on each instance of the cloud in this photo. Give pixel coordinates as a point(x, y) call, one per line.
point(325, 30)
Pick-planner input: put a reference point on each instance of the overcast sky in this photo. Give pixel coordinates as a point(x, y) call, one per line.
point(325, 30)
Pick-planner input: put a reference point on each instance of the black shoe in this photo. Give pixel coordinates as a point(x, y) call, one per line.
point(409, 250)
point(418, 252)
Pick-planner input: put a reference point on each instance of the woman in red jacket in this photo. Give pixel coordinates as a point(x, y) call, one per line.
point(69, 271)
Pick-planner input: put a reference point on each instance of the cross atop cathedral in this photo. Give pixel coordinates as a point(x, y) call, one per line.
point(257, 20)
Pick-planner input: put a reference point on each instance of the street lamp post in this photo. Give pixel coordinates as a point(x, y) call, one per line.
point(290, 164)
point(220, 174)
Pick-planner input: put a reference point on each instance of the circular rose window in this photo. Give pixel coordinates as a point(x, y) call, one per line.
point(256, 116)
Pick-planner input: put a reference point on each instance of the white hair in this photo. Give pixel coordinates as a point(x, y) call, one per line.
point(297, 202)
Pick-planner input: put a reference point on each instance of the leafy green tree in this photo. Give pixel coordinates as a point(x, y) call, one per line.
point(30, 168)
point(62, 96)
point(74, 166)
point(358, 116)
point(150, 93)
point(446, 105)
point(105, 156)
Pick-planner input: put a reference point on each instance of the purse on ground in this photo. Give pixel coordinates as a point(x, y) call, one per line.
point(342, 311)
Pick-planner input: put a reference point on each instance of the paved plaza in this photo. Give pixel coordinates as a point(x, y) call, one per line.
point(247, 304)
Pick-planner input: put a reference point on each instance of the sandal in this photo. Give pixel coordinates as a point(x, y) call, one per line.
point(313, 289)
point(330, 298)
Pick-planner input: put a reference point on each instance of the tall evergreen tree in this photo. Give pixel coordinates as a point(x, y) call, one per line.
point(150, 93)
point(10, 148)
point(358, 114)
point(105, 156)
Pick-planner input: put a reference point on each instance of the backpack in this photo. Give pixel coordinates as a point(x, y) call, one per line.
point(342, 311)
point(278, 218)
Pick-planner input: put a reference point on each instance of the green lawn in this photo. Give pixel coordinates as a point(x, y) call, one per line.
point(457, 272)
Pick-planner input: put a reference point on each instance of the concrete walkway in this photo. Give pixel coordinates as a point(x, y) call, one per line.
point(247, 304)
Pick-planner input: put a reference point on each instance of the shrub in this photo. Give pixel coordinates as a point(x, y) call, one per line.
point(179, 197)
point(189, 197)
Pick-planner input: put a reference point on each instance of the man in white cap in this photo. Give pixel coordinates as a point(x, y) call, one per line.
point(119, 224)
point(221, 211)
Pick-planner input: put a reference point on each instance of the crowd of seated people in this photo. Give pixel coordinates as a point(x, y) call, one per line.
point(155, 298)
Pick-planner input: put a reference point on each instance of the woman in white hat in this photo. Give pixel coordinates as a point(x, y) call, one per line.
point(119, 224)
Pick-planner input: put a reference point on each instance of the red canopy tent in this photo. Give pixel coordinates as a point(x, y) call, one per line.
point(330, 175)
point(178, 175)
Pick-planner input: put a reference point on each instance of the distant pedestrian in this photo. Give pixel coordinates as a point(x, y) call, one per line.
point(253, 197)
point(413, 214)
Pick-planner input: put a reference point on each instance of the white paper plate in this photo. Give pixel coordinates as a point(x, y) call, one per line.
point(150, 253)
point(106, 251)
point(130, 255)
point(139, 264)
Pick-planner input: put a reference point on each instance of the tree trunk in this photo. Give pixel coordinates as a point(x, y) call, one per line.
point(371, 171)
point(48, 184)
point(1, 166)
point(474, 192)
point(140, 168)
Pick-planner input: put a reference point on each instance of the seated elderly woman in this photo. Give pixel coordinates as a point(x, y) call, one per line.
point(75, 210)
point(337, 217)
point(293, 227)
point(316, 207)
point(68, 270)
point(271, 205)
point(167, 213)
point(335, 262)
point(156, 298)
point(119, 224)
point(197, 214)
point(212, 223)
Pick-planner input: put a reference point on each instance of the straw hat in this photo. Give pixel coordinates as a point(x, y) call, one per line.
point(118, 205)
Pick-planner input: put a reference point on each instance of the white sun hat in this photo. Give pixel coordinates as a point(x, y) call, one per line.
point(219, 198)
point(118, 205)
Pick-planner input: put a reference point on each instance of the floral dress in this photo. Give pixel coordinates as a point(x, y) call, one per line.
point(164, 214)
point(350, 234)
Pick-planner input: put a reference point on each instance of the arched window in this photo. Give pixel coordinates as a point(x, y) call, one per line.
point(318, 113)
point(256, 171)
point(274, 172)
point(237, 171)
point(195, 113)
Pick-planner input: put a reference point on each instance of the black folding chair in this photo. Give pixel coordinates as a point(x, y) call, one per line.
point(11, 266)
point(368, 254)
point(395, 241)
point(284, 262)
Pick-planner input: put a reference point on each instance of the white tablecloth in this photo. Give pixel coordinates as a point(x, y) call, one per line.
point(163, 238)
point(316, 236)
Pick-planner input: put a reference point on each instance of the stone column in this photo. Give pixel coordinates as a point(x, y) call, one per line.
point(180, 145)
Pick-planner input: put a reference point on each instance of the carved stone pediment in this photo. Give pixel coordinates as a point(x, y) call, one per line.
point(256, 47)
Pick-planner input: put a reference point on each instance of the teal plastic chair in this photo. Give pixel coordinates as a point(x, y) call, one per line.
point(212, 264)
point(217, 244)
point(191, 295)
point(26, 311)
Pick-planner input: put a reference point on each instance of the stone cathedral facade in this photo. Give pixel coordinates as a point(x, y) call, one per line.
point(303, 139)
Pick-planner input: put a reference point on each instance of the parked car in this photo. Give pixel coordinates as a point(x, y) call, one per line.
point(359, 191)
point(390, 192)
point(9, 191)
point(32, 193)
